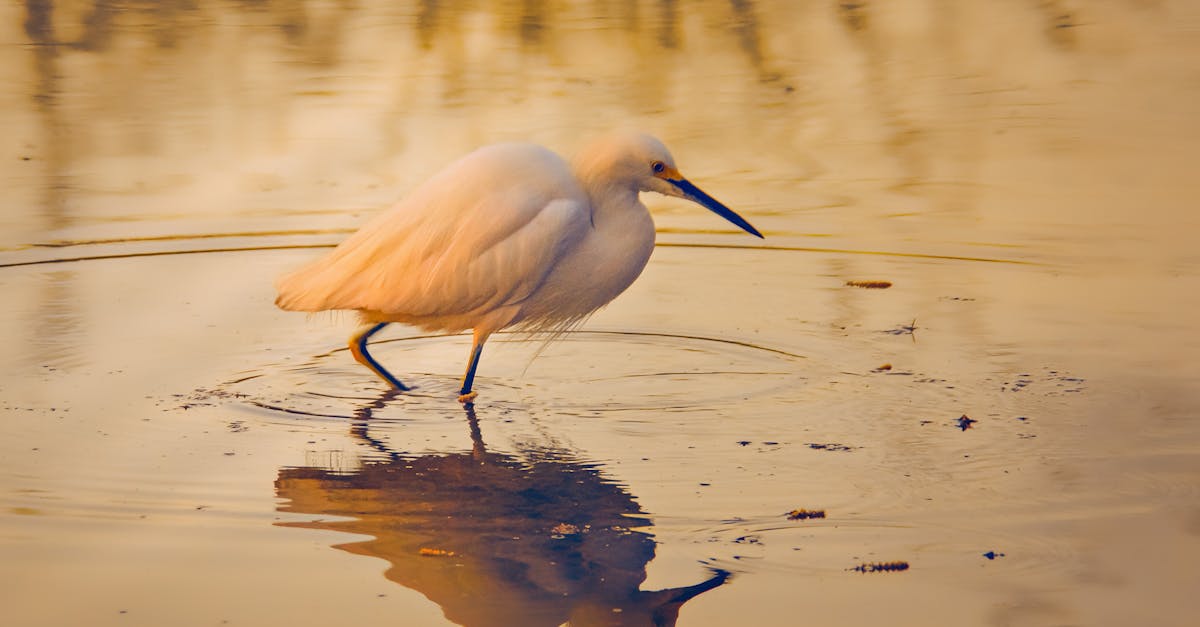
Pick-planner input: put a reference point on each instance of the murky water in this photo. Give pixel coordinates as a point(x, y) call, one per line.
point(1014, 419)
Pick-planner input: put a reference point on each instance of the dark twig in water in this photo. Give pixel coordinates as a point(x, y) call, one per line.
point(876, 567)
point(870, 285)
point(830, 446)
point(909, 329)
point(805, 514)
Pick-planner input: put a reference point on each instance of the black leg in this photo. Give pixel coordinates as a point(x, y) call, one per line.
point(465, 394)
point(358, 348)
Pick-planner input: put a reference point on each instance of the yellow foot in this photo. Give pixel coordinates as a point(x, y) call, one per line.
point(468, 398)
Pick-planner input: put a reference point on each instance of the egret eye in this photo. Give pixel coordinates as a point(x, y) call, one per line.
point(658, 167)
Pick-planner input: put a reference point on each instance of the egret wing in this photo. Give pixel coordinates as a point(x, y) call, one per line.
point(482, 234)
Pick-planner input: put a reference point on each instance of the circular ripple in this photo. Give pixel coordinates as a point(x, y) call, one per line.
point(594, 370)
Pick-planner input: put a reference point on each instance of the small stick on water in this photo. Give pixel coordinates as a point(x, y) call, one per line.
point(805, 514)
point(878, 567)
point(870, 285)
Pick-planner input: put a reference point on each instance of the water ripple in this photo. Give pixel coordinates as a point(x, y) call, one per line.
point(330, 385)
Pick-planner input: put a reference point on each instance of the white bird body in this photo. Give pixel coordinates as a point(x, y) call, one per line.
point(509, 235)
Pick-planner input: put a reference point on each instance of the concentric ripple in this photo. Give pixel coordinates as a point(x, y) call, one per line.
point(596, 370)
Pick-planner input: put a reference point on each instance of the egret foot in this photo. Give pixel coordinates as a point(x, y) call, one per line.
point(468, 398)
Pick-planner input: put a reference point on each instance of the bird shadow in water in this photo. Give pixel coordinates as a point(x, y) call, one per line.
point(494, 539)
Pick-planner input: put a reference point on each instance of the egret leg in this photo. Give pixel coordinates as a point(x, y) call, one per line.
point(466, 395)
point(358, 348)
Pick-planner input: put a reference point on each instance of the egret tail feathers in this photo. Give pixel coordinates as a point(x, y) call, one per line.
point(298, 292)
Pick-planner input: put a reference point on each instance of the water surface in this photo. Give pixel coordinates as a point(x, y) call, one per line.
point(1014, 418)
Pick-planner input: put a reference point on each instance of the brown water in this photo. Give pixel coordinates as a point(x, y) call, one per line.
point(176, 451)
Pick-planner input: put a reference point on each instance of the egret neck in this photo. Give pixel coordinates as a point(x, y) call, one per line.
point(622, 236)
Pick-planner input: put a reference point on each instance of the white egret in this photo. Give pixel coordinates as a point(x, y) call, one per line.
point(510, 235)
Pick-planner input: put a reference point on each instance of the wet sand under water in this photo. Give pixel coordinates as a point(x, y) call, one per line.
point(1005, 435)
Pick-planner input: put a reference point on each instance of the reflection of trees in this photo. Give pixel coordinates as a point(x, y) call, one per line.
point(495, 539)
point(322, 35)
point(236, 79)
point(533, 23)
point(57, 317)
point(227, 105)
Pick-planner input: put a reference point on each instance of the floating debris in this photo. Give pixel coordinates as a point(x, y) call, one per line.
point(964, 422)
point(436, 553)
point(805, 514)
point(870, 285)
point(829, 446)
point(876, 567)
point(993, 555)
point(1018, 385)
point(202, 397)
point(564, 529)
point(908, 329)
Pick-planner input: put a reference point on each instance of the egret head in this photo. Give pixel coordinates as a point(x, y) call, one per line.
point(646, 162)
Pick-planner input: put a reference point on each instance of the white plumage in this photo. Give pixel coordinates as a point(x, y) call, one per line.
point(509, 235)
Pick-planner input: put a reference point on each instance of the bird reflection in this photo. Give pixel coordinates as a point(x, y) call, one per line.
point(495, 539)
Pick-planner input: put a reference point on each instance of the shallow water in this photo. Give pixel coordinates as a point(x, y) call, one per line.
point(1014, 418)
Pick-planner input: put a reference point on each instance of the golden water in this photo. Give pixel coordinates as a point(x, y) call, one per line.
point(176, 451)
